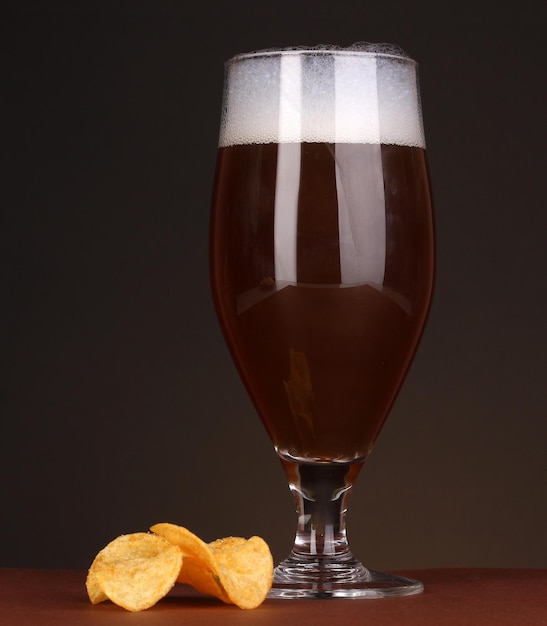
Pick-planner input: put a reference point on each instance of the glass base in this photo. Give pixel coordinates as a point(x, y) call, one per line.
point(313, 579)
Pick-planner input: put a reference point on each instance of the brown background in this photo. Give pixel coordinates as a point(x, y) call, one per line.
point(119, 403)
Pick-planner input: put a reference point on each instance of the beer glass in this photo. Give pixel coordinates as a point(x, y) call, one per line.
point(322, 262)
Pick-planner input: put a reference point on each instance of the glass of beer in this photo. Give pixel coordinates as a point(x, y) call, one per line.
point(322, 269)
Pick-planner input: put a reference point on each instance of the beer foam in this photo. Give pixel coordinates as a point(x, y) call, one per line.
point(366, 93)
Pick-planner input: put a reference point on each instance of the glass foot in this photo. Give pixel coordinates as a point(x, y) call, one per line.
point(313, 579)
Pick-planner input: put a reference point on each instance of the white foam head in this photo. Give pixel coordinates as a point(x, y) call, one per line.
point(367, 93)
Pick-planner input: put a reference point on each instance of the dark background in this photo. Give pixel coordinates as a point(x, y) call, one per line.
point(120, 406)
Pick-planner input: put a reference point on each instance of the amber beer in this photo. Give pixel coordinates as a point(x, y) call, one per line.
point(322, 261)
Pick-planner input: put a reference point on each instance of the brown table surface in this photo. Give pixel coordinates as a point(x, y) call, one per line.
point(461, 596)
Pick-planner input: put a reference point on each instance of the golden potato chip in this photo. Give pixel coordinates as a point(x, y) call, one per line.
point(134, 571)
point(199, 568)
point(235, 570)
point(246, 567)
point(94, 591)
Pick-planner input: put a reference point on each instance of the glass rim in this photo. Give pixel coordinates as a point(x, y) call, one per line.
point(363, 49)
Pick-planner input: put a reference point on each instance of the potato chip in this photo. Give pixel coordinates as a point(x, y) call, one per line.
point(94, 591)
point(199, 568)
point(134, 571)
point(235, 570)
point(246, 567)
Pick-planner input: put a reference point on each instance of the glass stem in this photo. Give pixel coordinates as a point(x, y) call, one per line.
point(321, 493)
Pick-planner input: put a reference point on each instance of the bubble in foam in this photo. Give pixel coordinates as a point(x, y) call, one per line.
point(365, 93)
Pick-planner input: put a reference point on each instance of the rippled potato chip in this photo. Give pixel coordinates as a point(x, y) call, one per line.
point(235, 570)
point(134, 571)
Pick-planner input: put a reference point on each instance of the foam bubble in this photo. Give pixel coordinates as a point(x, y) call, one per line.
point(366, 93)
